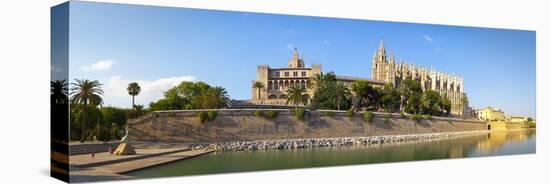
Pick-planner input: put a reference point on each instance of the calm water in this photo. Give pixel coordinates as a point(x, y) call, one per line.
point(491, 144)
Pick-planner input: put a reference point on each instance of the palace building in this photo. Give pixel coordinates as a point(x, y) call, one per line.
point(385, 70)
point(278, 80)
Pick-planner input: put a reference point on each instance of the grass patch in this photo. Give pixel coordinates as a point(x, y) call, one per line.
point(299, 113)
point(207, 116)
point(415, 117)
point(349, 113)
point(387, 118)
point(271, 114)
point(203, 116)
point(257, 113)
point(212, 115)
point(427, 116)
point(367, 116)
point(329, 113)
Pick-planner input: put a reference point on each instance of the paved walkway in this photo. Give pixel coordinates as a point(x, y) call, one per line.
point(105, 166)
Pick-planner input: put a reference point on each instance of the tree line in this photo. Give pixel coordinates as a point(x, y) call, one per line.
point(89, 119)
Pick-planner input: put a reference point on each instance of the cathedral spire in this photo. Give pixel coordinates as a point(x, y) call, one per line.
point(295, 61)
point(381, 54)
point(382, 49)
point(391, 57)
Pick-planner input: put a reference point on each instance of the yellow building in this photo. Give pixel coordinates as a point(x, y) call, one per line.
point(490, 114)
point(517, 119)
point(277, 80)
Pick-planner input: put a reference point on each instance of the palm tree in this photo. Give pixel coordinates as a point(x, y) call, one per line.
point(315, 81)
point(258, 85)
point(86, 92)
point(59, 90)
point(133, 90)
point(220, 97)
point(296, 96)
point(341, 91)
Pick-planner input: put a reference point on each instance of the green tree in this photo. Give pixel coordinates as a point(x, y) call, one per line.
point(114, 115)
point(364, 93)
point(296, 96)
point(258, 86)
point(192, 95)
point(219, 98)
point(446, 105)
point(315, 81)
point(331, 94)
point(137, 111)
point(431, 103)
point(341, 92)
point(86, 92)
point(409, 89)
point(133, 90)
point(390, 98)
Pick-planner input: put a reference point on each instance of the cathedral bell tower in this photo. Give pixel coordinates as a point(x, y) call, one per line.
point(296, 61)
point(380, 63)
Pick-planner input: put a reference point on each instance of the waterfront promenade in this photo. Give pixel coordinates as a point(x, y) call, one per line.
point(106, 166)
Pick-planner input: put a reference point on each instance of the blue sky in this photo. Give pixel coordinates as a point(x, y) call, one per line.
point(160, 46)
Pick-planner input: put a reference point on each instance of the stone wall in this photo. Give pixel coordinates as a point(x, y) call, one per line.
point(242, 125)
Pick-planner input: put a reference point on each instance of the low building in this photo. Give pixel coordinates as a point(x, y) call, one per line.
point(517, 119)
point(490, 114)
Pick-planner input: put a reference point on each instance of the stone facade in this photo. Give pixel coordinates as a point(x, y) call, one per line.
point(386, 68)
point(277, 80)
point(490, 114)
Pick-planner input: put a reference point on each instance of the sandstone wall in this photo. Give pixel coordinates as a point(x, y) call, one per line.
point(241, 125)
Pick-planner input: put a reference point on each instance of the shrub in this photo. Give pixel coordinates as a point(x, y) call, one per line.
point(349, 113)
point(299, 113)
point(415, 117)
point(271, 114)
point(257, 113)
point(402, 114)
point(212, 115)
point(329, 113)
point(428, 117)
point(367, 116)
point(203, 116)
point(387, 118)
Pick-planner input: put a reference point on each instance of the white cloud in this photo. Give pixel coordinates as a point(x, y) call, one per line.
point(428, 38)
point(99, 65)
point(326, 42)
point(151, 90)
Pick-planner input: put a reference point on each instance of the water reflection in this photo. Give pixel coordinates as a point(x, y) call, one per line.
point(490, 144)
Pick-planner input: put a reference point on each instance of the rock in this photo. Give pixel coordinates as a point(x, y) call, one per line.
point(124, 149)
